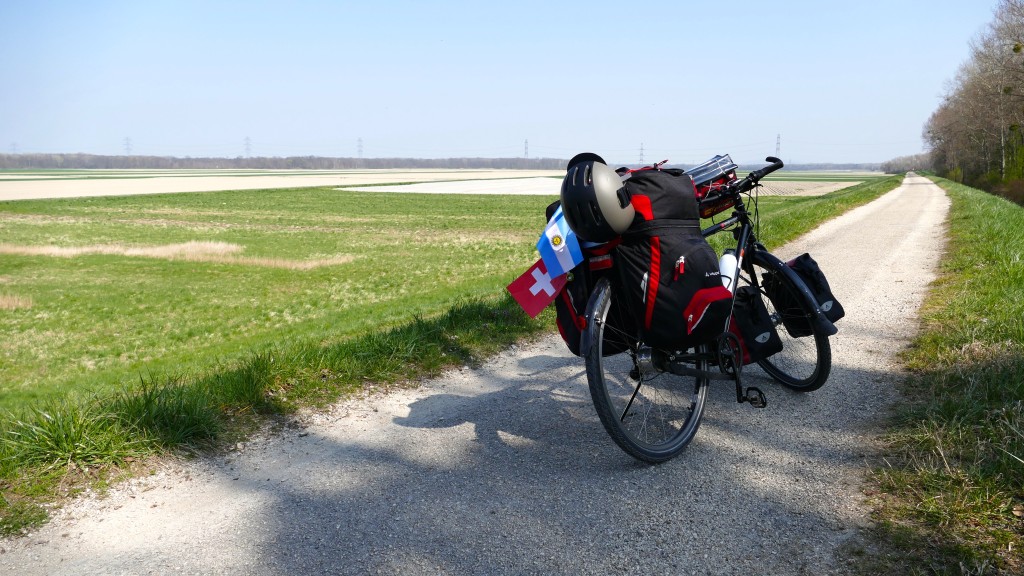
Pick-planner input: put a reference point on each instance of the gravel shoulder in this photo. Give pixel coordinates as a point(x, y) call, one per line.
point(506, 469)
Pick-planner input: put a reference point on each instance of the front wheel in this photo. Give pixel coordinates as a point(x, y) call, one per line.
point(806, 357)
point(650, 414)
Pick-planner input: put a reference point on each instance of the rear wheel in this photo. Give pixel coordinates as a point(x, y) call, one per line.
point(805, 360)
point(650, 414)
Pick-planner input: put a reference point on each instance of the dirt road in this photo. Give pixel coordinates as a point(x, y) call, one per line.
point(506, 469)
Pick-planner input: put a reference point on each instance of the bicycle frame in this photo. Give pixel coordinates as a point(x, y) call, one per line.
point(747, 242)
point(748, 250)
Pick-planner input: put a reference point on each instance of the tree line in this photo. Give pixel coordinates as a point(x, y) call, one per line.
point(905, 164)
point(97, 162)
point(975, 136)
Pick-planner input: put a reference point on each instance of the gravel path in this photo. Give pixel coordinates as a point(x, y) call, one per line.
point(506, 469)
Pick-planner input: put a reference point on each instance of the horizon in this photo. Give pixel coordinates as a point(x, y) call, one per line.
point(256, 159)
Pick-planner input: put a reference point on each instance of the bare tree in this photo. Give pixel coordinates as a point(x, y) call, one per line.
point(975, 134)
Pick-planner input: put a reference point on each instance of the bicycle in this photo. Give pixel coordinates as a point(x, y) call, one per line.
point(651, 401)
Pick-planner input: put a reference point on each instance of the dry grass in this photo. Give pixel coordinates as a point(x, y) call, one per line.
point(214, 252)
point(13, 302)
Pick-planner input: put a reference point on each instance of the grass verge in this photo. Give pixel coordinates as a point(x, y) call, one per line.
point(950, 493)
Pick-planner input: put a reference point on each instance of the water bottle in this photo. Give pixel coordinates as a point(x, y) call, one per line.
point(727, 266)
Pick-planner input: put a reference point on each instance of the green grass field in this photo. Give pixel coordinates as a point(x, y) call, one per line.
point(98, 320)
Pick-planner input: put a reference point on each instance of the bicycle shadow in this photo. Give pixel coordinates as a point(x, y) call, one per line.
point(523, 412)
point(506, 469)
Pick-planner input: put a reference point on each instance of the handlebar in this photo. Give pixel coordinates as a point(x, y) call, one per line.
point(752, 179)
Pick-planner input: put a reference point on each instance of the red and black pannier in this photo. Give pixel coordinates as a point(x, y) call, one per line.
point(668, 272)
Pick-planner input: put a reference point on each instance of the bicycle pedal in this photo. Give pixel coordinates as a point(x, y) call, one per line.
point(755, 397)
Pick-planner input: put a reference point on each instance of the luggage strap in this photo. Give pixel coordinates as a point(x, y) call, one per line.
point(656, 227)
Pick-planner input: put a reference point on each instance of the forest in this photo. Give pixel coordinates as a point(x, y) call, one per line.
point(975, 136)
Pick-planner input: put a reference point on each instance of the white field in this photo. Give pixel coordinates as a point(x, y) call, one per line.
point(37, 185)
point(83, 183)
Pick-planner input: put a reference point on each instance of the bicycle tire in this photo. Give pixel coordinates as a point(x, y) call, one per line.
point(652, 416)
point(805, 362)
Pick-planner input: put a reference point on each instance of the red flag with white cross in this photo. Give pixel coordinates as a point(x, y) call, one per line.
point(535, 289)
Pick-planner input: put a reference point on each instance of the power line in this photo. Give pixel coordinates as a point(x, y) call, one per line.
point(127, 146)
point(248, 147)
point(526, 148)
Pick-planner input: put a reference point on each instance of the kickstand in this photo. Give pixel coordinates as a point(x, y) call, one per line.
point(730, 362)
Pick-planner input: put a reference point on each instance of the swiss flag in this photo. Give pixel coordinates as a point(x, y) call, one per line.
point(534, 290)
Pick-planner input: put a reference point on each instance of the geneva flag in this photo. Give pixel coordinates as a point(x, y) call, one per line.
point(535, 289)
point(558, 246)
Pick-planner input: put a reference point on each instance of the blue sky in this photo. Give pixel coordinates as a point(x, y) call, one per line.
point(840, 82)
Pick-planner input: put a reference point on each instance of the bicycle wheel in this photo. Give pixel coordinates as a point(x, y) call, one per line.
point(650, 414)
point(805, 361)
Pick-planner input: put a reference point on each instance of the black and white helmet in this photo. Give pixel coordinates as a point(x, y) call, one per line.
point(595, 202)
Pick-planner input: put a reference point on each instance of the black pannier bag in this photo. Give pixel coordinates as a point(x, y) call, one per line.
point(811, 273)
point(786, 305)
point(571, 301)
point(753, 326)
point(789, 308)
point(667, 271)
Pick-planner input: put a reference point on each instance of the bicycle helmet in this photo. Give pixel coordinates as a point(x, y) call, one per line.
point(582, 157)
point(595, 202)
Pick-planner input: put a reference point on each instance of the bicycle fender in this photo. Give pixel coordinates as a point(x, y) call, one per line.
point(586, 334)
point(585, 339)
point(821, 323)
